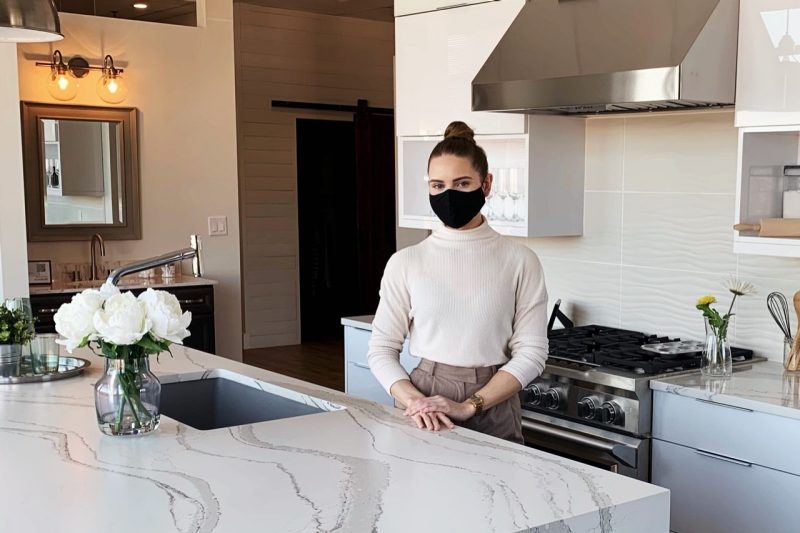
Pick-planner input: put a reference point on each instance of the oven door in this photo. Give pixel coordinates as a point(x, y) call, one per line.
point(629, 456)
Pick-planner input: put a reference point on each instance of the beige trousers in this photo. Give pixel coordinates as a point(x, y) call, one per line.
point(458, 383)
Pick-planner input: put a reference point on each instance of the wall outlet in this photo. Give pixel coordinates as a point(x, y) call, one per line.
point(217, 226)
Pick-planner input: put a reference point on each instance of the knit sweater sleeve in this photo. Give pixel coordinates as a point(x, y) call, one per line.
point(528, 344)
point(390, 325)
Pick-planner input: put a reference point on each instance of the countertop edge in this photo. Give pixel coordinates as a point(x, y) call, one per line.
point(361, 322)
point(761, 399)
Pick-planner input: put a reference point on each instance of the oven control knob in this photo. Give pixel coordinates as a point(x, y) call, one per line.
point(533, 395)
point(550, 399)
point(609, 412)
point(587, 408)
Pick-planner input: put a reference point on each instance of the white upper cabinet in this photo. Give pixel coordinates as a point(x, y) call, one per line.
point(438, 53)
point(768, 71)
point(411, 7)
point(538, 179)
point(768, 191)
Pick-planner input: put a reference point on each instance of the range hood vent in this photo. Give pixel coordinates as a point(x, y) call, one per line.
point(585, 57)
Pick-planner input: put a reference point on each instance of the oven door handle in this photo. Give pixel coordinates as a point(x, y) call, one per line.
point(625, 454)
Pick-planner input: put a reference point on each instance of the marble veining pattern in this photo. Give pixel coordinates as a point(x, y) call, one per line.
point(359, 466)
point(763, 387)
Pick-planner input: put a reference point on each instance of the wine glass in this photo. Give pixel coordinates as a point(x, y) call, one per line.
point(502, 193)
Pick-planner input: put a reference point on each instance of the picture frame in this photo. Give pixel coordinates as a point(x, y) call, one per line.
point(40, 272)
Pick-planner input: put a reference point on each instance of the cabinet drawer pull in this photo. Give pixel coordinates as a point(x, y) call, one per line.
point(48, 311)
point(360, 365)
point(712, 402)
point(191, 301)
point(723, 458)
point(462, 4)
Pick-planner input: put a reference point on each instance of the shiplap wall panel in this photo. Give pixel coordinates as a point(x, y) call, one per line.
point(291, 55)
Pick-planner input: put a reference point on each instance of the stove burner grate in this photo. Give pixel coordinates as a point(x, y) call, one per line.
point(621, 349)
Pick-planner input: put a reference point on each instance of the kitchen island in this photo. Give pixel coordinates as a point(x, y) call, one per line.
point(358, 467)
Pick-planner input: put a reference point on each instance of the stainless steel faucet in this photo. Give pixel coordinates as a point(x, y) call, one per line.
point(95, 267)
point(193, 253)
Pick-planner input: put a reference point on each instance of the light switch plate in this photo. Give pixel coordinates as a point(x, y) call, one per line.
point(217, 226)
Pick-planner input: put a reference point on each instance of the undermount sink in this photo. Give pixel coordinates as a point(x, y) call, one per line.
point(220, 399)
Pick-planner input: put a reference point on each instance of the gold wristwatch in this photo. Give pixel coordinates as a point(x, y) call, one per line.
point(477, 401)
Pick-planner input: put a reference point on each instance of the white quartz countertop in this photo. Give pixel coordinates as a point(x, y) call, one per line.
point(764, 387)
point(129, 283)
point(361, 322)
point(361, 467)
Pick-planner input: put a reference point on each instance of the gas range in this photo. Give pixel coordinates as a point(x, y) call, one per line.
point(594, 399)
point(601, 376)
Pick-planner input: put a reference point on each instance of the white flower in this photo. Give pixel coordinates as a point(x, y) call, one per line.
point(108, 290)
point(739, 287)
point(122, 320)
point(75, 320)
point(164, 311)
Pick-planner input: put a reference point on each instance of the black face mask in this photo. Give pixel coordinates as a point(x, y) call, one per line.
point(457, 208)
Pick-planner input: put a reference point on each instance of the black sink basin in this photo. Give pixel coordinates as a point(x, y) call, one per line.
point(220, 402)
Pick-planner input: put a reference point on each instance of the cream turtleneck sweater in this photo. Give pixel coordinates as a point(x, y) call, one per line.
point(468, 298)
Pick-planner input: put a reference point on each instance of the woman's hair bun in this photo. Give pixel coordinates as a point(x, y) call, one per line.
point(459, 129)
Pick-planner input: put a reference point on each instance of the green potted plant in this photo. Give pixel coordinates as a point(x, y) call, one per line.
point(16, 330)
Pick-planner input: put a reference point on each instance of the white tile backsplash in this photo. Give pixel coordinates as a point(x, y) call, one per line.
point(589, 291)
point(605, 149)
point(679, 231)
point(663, 237)
point(663, 301)
point(694, 153)
point(602, 232)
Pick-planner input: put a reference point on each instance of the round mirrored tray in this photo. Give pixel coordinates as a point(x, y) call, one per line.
point(67, 367)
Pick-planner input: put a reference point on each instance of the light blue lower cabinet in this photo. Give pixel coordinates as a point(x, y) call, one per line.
point(359, 380)
point(361, 383)
point(713, 493)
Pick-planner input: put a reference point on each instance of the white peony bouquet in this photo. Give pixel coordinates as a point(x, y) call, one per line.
point(120, 324)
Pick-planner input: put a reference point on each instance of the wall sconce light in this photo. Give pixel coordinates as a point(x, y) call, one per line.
point(63, 85)
point(111, 87)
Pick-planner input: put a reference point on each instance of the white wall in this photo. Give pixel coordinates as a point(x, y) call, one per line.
point(660, 201)
point(181, 79)
point(13, 253)
point(291, 55)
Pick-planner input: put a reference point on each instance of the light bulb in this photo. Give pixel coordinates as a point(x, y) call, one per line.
point(112, 88)
point(61, 87)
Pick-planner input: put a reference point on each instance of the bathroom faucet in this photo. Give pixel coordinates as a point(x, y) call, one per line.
point(95, 267)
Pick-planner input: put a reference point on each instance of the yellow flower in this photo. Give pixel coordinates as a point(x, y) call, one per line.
point(706, 300)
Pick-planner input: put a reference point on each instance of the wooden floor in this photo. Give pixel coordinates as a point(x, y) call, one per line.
point(319, 362)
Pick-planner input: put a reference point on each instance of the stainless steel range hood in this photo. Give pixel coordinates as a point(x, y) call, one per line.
point(603, 56)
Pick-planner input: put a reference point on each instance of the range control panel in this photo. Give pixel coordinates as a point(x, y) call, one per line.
point(581, 404)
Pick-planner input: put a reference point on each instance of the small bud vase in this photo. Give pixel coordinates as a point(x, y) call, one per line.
point(717, 361)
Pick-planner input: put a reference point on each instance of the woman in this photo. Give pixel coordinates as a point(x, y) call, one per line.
point(472, 302)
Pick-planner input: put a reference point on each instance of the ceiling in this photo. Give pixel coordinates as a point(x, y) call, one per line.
point(366, 9)
point(183, 11)
point(168, 11)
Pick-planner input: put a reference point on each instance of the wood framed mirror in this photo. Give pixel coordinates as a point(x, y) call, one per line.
point(81, 172)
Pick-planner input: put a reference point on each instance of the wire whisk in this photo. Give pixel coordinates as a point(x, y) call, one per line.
point(779, 309)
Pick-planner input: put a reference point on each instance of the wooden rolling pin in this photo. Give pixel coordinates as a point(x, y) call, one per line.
point(773, 227)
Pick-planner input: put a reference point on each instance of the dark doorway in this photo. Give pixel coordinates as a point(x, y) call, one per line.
point(346, 199)
point(326, 195)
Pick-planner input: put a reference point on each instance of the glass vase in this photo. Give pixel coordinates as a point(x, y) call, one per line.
point(791, 358)
point(127, 397)
point(10, 357)
point(717, 360)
